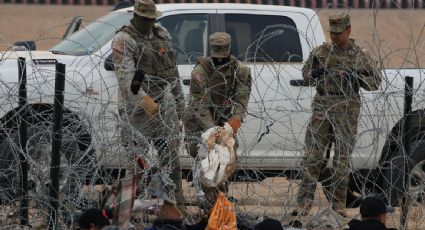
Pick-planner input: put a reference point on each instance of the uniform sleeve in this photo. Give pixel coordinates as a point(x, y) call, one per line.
point(200, 99)
point(310, 64)
point(369, 73)
point(243, 92)
point(123, 51)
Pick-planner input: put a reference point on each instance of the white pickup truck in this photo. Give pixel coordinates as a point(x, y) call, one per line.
point(273, 40)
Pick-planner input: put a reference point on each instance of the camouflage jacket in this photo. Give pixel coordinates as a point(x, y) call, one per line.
point(346, 70)
point(217, 95)
point(152, 53)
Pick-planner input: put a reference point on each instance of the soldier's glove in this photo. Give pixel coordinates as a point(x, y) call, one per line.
point(235, 124)
point(137, 81)
point(150, 107)
point(315, 73)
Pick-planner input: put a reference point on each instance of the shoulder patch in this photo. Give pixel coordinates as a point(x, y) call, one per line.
point(118, 45)
point(198, 69)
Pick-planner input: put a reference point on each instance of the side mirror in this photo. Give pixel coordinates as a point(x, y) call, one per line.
point(24, 45)
point(73, 27)
point(109, 65)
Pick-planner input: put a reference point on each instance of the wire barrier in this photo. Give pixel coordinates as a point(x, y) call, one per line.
point(271, 143)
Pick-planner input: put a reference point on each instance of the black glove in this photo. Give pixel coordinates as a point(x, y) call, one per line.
point(315, 73)
point(137, 81)
point(350, 73)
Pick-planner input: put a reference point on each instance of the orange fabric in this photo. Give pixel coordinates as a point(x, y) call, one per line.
point(235, 124)
point(222, 215)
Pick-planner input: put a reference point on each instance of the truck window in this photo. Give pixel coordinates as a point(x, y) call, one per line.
point(91, 38)
point(189, 34)
point(264, 38)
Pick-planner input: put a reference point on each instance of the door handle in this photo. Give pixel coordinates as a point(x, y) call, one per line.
point(301, 83)
point(186, 81)
point(297, 82)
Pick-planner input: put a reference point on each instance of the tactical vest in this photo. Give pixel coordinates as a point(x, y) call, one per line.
point(155, 58)
point(333, 59)
point(222, 85)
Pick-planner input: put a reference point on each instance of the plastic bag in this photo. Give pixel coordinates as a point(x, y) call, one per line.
point(217, 159)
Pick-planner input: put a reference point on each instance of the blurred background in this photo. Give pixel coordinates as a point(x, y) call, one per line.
point(394, 29)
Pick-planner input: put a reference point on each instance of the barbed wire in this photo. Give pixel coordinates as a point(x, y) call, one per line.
point(271, 142)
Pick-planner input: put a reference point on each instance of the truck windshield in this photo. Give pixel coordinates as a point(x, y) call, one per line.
point(91, 38)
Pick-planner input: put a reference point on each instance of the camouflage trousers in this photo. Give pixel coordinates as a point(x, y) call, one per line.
point(323, 129)
point(142, 134)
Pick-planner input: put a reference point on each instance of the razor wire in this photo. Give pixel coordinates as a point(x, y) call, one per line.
point(273, 132)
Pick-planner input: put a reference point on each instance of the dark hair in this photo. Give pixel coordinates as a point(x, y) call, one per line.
point(269, 223)
point(99, 218)
point(374, 206)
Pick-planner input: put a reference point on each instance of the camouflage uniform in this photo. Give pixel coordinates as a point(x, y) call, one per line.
point(152, 54)
point(336, 108)
point(217, 95)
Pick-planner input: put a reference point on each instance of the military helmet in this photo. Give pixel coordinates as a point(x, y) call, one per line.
point(339, 22)
point(146, 8)
point(220, 44)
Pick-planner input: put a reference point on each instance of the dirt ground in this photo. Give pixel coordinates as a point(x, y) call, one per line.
point(272, 197)
point(397, 37)
point(275, 198)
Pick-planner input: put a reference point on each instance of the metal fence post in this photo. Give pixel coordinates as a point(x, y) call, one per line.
point(408, 96)
point(23, 136)
point(56, 146)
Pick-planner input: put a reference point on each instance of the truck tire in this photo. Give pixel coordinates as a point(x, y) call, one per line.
point(75, 164)
point(393, 179)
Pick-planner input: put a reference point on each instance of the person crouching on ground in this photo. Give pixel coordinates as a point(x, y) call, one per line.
point(374, 215)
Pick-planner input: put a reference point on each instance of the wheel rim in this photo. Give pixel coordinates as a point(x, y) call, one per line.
point(39, 150)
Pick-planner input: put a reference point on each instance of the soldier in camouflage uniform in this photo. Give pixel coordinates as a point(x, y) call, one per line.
point(338, 70)
point(219, 92)
point(150, 99)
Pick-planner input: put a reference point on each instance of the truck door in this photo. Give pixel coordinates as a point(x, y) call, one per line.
point(269, 43)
